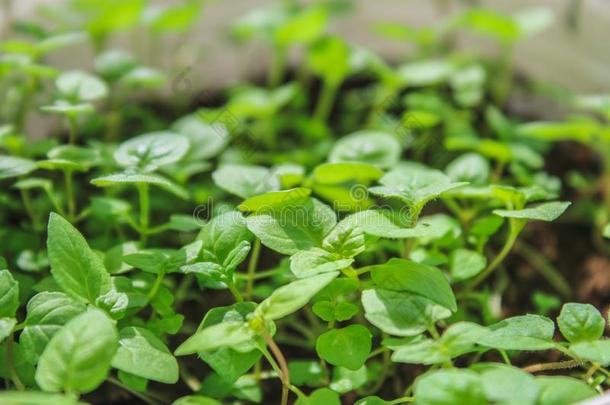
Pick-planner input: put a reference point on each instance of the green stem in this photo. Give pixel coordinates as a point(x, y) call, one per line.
point(72, 128)
point(252, 268)
point(259, 275)
point(10, 363)
point(515, 227)
point(283, 366)
point(133, 392)
point(326, 101)
point(71, 202)
point(278, 66)
point(27, 204)
point(144, 211)
point(234, 291)
point(542, 265)
point(155, 288)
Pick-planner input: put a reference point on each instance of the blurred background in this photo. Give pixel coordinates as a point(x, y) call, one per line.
point(573, 52)
point(191, 40)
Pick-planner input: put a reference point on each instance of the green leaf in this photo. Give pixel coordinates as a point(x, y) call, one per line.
point(338, 248)
point(150, 151)
point(401, 313)
point(458, 339)
point(597, 351)
point(136, 178)
point(224, 334)
point(112, 64)
point(395, 225)
point(79, 86)
point(230, 362)
point(245, 181)
point(11, 166)
point(526, 332)
point(405, 275)
point(543, 212)
point(320, 396)
point(444, 387)
point(425, 72)
point(75, 267)
point(341, 172)
point(293, 228)
point(47, 312)
point(580, 322)
point(375, 148)
point(293, 296)
point(77, 359)
point(196, 400)
point(206, 140)
point(346, 347)
point(141, 353)
point(68, 108)
point(274, 200)
point(506, 384)
point(345, 380)
point(225, 240)
point(6, 327)
point(306, 372)
point(470, 167)
point(307, 263)
point(9, 294)
point(561, 390)
point(329, 58)
point(36, 398)
point(414, 184)
point(466, 263)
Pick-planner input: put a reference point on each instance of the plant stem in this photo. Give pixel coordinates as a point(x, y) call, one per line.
point(71, 202)
point(72, 128)
point(283, 365)
point(252, 268)
point(557, 365)
point(278, 66)
point(234, 291)
point(515, 227)
point(27, 204)
point(155, 288)
point(401, 400)
point(326, 101)
point(542, 265)
point(144, 211)
point(133, 392)
point(10, 363)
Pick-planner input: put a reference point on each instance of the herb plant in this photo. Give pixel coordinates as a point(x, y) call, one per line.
point(343, 233)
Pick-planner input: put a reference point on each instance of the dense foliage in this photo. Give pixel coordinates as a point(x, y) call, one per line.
point(339, 234)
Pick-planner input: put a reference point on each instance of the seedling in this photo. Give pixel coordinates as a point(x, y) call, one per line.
point(368, 246)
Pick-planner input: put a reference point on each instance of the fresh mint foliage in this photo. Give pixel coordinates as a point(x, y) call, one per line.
point(354, 230)
point(78, 270)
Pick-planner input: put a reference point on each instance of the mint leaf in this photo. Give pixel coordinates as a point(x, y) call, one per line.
point(75, 267)
point(401, 313)
point(47, 312)
point(580, 322)
point(347, 347)
point(405, 275)
point(293, 296)
point(543, 212)
point(293, 228)
point(77, 359)
point(9, 294)
point(141, 353)
point(526, 332)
